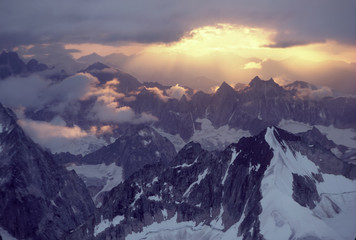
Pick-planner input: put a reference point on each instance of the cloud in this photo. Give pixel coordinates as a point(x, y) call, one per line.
point(53, 54)
point(78, 86)
point(40, 130)
point(336, 75)
point(23, 91)
point(158, 92)
point(100, 130)
point(106, 110)
point(176, 92)
point(58, 138)
point(115, 21)
point(214, 89)
point(144, 118)
point(317, 94)
point(282, 80)
point(110, 112)
point(130, 99)
point(35, 93)
point(107, 92)
point(252, 65)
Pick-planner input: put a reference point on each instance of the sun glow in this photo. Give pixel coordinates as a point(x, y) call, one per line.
point(219, 38)
point(225, 52)
point(226, 39)
point(249, 42)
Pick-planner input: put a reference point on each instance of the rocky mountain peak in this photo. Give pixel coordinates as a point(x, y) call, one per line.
point(281, 135)
point(34, 66)
point(96, 66)
point(10, 64)
point(94, 57)
point(39, 199)
point(140, 145)
point(256, 82)
point(224, 89)
point(265, 88)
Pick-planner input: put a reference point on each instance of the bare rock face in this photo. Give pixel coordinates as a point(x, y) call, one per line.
point(11, 64)
point(139, 146)
point(39, 199)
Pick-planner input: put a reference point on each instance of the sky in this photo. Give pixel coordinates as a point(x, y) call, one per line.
point(200, 42)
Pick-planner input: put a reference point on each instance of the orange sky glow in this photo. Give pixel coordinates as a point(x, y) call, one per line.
point(227, 38)
point(224, 52)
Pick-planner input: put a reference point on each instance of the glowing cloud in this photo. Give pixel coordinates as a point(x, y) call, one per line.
point(314, 93)
point(58, 138)
point(158, 92)
point(252, 65)
point(176, 92)
point(214, 89)
point(43, 130)
point(100, 130)
point(218, 38)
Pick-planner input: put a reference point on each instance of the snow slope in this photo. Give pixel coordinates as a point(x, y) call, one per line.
point(209, 137)
point(346, 137)
point(78, 146)
point(171, 229)
point(104, 176)
point(294, 126)
point(4, 235)
point(281, 216)
point(212, 138)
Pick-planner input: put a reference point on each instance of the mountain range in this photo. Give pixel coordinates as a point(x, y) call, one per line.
point(100, 155)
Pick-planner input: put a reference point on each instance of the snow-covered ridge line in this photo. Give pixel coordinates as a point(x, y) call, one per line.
point(281, 214)
point(346, 137)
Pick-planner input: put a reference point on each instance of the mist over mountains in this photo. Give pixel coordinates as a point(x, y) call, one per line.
point(167, 160)
point(202, 72)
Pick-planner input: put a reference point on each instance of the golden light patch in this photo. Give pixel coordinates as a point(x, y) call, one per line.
point(249, 42)
point(223, 39)
point(218, 38)
point(252, 65)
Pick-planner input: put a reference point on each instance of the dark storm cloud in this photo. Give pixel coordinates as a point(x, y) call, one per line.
point(109, 21)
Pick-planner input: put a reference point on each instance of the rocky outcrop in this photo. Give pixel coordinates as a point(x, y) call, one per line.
point(11, 64)
point(39, 199)
point(139, 146)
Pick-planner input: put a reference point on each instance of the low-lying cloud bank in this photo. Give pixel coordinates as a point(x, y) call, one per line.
point(57, 138)
point(36, 93)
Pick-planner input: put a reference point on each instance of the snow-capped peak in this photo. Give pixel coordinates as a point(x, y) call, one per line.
point(292, 189)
